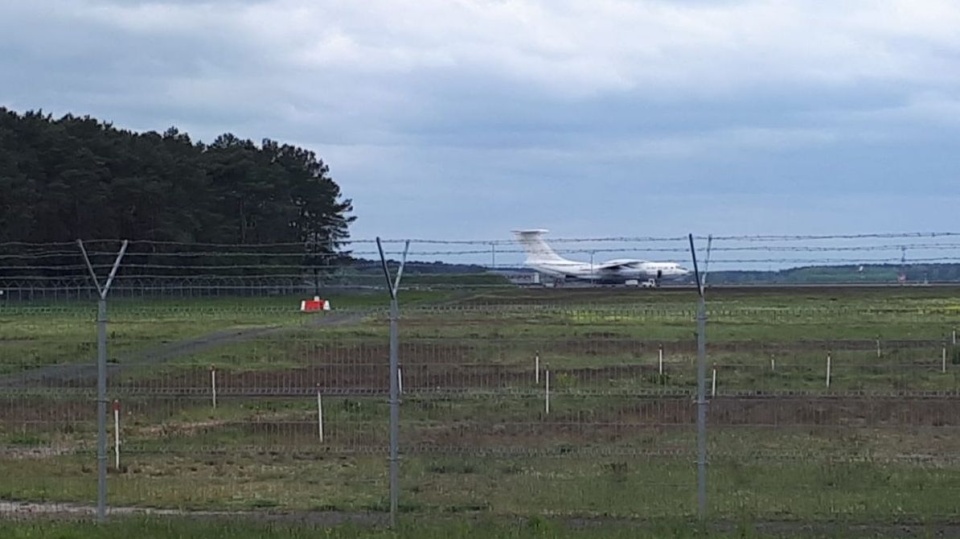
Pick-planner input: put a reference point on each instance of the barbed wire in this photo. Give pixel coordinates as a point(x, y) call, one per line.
point(302, 250)
point(424, 264)
point(560, 239)
point(35, 270)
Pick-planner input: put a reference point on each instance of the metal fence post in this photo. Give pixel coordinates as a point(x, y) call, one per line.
point(701, 391)
point(102, 377)
point(394, 413)
point(702, 408)
point(394, 383)
point(102, 408)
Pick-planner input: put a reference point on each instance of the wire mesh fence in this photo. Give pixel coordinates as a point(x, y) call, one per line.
point(823, 403)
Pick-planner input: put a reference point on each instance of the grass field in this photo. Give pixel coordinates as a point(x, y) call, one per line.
point(876, 445)
point(173, 528)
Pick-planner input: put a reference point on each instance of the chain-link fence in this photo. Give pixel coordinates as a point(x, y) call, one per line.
point(824, 403)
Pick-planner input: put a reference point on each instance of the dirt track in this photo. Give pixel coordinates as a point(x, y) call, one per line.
point(86, 374)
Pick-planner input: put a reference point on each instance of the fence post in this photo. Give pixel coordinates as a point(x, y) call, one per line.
point(102, 376)
point(713, 384)
point(394, 382)
point(547, 392)
point(213, 384)
point(536, 367)
point(828, 369)
point(319, 413)
point(701, 390)
point(116, 433)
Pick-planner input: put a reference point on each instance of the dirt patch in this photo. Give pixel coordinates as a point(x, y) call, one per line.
point(179, 428)
point(501, 425)
point(36, 452)
point(362, 367)
point(900, 411)
point(53, 408)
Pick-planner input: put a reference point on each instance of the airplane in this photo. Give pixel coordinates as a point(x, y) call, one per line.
point(542, 258)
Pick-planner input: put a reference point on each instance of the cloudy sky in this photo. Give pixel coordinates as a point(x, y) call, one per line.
point(464, 119)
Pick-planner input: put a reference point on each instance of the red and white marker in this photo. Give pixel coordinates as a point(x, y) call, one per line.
point(314, 305)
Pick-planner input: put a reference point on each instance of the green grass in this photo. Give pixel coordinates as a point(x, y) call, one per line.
point(609, 447)
point(592, 457)
point(242, 528)
point(744, 333)
point(631, 487)
point(38, 334)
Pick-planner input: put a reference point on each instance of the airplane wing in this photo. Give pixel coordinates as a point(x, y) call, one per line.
point(614, 265)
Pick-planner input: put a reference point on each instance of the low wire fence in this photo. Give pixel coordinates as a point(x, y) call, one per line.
point(822, 404)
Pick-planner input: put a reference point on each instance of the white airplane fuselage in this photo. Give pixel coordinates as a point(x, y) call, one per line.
point(543, 259)
point(635, 270)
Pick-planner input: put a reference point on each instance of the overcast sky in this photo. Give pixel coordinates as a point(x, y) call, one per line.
point(464, 119)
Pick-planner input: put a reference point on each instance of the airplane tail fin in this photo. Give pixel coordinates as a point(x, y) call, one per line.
point(537, 249)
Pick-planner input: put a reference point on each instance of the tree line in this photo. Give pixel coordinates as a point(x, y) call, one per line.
point(79, 177)
point(867, 274)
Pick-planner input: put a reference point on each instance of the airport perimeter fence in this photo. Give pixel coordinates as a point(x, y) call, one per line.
point(823, 403)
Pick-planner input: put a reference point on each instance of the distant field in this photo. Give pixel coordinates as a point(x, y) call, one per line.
point(877, 445)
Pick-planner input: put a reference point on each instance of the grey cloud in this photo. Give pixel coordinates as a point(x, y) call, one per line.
point(460, 118)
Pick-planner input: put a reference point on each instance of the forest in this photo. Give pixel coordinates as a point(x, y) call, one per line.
point(847, 274)
point(78, 177)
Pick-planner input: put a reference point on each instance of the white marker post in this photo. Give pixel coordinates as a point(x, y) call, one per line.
point(547, 392)
point(773, 364)
point(213, 384)
point(319, 413)
point(536, 367)
point(828, 369)
point(878, 347)
point(116, 432)
point(399, 380)
point(660, 354)
point(713, 388)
